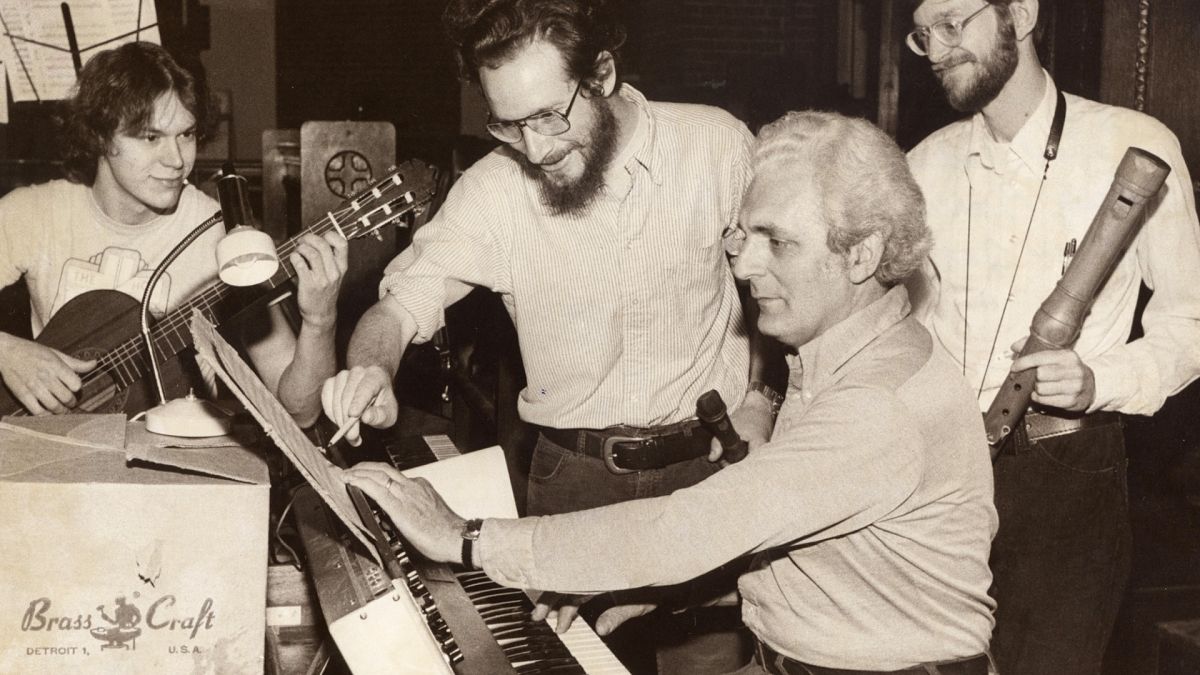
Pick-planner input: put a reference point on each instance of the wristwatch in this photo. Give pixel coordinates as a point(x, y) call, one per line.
point(771, 395)
point(470, 535)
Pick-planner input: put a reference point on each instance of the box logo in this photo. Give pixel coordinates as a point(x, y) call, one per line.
point(124, 628)
point(126, 621)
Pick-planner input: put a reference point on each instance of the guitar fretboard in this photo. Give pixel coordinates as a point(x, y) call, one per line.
point(129, 362)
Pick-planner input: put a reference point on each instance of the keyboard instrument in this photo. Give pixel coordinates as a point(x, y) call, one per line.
point(476, 626)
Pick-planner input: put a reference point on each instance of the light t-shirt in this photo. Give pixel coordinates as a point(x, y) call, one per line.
point(56, 235)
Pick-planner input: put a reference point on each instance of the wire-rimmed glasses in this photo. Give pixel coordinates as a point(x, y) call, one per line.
point(545, 123)
point(949, 33)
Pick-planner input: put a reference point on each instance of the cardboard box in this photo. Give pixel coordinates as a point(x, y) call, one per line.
point(152, 566)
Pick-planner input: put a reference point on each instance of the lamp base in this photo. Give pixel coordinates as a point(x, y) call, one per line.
point(188, 417)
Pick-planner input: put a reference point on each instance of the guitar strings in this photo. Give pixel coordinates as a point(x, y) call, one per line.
point(130, 354)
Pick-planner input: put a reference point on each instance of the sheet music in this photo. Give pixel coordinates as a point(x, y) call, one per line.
point(318, 471)
point(473, 485)
point(35, 49)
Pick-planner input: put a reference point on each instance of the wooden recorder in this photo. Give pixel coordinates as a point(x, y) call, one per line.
point(1056, 324)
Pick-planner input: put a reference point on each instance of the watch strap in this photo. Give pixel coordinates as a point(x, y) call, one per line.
point(470, 534)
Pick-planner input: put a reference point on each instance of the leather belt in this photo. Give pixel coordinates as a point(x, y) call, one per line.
point(1039, 425)
point(627, 449)
point(777, 664)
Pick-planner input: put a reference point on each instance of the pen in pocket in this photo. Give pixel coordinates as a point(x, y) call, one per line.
point(1068, 254)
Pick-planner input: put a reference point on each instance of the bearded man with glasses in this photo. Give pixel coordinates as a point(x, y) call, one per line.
point(599, 223)
point(1010, 193)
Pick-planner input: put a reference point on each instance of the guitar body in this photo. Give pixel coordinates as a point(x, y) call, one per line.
point(106, 325)
point(88, 327)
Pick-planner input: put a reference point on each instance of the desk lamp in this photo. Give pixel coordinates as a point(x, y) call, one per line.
point(245, 257)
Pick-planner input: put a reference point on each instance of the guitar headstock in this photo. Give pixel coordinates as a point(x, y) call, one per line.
point(407, 188)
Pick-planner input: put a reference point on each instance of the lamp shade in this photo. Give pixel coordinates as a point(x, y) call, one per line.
point(246, 257)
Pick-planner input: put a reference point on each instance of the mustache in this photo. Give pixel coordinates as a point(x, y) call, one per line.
point(953, 62)
point(553, 159)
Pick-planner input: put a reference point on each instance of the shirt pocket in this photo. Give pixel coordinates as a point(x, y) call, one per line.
point(694, 281)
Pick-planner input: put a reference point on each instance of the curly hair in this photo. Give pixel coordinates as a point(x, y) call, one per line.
point(486, 33)
point(863, 182)
point(116, 91)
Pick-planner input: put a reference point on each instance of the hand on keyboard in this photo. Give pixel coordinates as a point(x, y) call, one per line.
point(613, 617)
point(413, 506)
point(565, 606)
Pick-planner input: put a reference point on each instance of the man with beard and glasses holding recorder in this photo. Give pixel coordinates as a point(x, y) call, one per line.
point(1010, 193)
point(599, 223)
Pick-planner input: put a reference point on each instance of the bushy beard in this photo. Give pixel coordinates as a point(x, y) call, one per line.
point(598, 149)
point(994, 71)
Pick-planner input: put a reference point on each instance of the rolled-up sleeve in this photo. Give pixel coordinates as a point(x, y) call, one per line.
point(457, 250)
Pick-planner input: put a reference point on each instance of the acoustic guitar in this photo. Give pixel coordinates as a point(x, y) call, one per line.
point(106, 325)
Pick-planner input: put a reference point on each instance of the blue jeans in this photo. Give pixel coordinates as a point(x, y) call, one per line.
point(561, 480)
point(1061, 557)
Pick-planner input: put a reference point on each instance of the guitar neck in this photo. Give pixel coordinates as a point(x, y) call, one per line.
point(405, 189)
point(171, 334)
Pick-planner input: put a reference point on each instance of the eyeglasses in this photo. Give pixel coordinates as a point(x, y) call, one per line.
point(547, 123)
point(949, 33)
point(733, 239)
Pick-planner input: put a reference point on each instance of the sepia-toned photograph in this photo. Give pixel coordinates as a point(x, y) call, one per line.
point(599, 337)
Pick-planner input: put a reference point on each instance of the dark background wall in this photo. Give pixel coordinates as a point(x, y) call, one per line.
point(367, 60)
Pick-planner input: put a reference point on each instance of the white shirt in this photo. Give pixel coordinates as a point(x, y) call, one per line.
point(976, 186)
point(625, 313)
point(57, 237)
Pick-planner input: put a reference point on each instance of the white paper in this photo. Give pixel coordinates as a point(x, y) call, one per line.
point(35, 49)
point(474, 485)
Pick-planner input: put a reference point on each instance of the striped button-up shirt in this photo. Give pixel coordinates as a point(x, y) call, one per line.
point(626, 313)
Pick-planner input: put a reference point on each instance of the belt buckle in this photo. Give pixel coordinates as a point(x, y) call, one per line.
point(607, 452)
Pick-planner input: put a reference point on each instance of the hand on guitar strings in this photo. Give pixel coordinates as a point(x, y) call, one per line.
point(320, 263)
point(43, 379)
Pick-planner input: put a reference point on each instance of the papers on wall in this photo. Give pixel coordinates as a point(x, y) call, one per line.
point(35, 50)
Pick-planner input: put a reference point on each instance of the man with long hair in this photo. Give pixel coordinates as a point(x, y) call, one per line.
point(130, 136)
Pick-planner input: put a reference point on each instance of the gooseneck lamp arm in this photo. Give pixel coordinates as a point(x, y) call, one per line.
point(154, 277)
